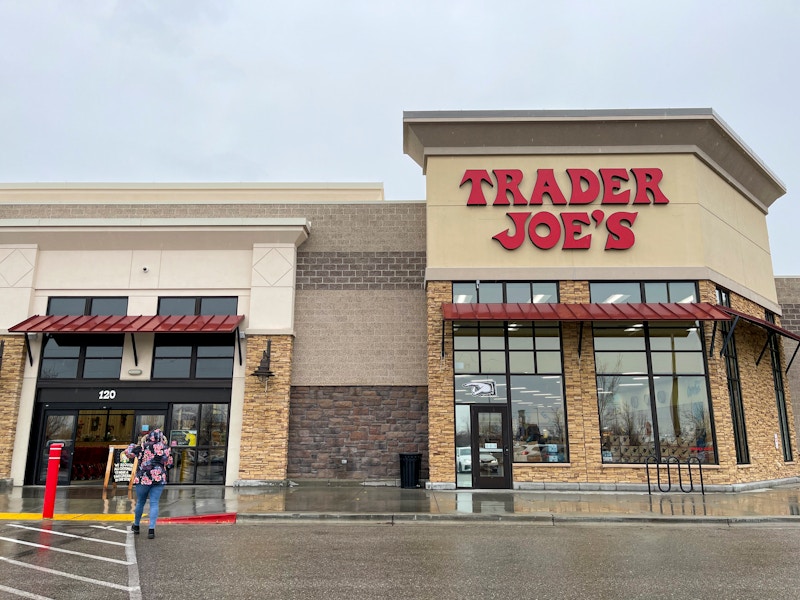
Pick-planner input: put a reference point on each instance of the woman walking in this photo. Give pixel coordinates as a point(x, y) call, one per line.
point(155, 459)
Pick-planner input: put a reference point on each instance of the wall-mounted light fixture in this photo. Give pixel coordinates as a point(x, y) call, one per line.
point(262, 371)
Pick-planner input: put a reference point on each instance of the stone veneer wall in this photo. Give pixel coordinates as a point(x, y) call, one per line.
point(366, 426)
point(441, 411)
point(788, 289)
point(11, 373)
point(585, 464)
point(758, 392)
point(265, 419)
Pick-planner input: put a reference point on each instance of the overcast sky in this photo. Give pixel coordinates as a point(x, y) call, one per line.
point(302, 91)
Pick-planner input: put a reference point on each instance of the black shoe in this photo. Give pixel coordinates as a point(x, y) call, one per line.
point(135, 529)
point(151, 533)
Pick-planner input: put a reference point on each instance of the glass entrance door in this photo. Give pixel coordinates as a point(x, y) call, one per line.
point(58, 427)
point(490, 450)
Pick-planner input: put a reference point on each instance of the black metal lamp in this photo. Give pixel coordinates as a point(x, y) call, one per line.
point(262, 371)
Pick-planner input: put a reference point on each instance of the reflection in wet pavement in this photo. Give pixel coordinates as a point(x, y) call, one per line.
point(782, 501)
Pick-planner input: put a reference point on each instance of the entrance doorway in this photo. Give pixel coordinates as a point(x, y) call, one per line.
point(490, 450)
point(483, 457)
point(86, 434)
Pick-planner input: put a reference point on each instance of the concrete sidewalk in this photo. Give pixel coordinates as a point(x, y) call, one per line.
point(342, 501)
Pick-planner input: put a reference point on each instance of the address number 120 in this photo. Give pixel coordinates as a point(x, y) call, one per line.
point(107, 394)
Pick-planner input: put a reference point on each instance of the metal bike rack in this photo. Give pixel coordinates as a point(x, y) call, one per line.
point(673, 460)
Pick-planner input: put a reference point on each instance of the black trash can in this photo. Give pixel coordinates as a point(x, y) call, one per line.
point(410, 463)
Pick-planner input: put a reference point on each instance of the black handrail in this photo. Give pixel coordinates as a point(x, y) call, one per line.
point(670, 460)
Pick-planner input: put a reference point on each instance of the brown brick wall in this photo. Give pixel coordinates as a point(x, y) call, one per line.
point(265, 419)
point(360, 270)
point(360, 338)
point(11, 371)
point(377, 227)
point(366, 426)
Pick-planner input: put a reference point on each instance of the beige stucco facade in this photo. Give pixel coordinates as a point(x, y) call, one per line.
point(704, 223)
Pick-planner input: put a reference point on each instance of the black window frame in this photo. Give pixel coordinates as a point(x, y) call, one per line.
point(92, 349)
point(651, 372)
point(195, 343)
point(780, 395)
point(733, 378)
point(501, 344)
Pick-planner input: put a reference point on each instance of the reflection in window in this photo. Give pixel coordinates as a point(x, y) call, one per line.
point(193, 356)
point(83, 356)
point(514, 292)
point(199, 437)
point(198, 356)
point(652, 402)
point(538, 418)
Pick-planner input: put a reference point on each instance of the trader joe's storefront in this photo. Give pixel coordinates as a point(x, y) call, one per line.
point(514, 362)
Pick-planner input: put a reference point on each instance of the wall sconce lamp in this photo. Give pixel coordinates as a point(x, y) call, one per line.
point(262, 371)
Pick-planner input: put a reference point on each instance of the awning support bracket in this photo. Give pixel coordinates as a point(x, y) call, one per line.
point(239, 345)
point(793, 355)
point(713, 339)
point(28, 348)
point(764, 349)
point(135, 353)
point(729, 336)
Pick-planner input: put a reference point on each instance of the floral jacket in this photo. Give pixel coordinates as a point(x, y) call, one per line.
point(154, 457)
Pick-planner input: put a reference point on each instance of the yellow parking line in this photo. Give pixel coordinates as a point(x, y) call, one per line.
point(67, 517)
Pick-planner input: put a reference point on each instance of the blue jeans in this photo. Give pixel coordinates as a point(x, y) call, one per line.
point(143, 493)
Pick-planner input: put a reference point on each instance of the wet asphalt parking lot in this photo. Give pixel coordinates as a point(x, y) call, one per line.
point(351, 561)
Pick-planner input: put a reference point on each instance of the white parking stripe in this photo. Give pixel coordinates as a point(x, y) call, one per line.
point(23, 594)
point(70, 535)
point(115, 586)
point(113, 560)
point(111, 528)
point(133, 571)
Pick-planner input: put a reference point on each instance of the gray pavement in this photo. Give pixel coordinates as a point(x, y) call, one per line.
point(353, 501)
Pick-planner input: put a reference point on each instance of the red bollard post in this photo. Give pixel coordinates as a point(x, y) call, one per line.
point(53, 464)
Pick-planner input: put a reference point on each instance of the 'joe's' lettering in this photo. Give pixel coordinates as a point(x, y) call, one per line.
point(611, 187)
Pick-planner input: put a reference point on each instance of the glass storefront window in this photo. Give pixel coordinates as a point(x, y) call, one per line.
point(652, 388)
point(515, 364)
point(198, 436)
point(193, 356)
point(172, 362)
point(516, 292)
point(83, 356)
point(479, 388)
point(538, 419)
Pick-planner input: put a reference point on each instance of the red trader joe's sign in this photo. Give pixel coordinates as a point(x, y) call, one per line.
point(571, 229)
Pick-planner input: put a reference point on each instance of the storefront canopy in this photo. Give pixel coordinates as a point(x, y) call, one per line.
point(129, 324)
point(83, 324)
point(771, 329)
point(651, 311)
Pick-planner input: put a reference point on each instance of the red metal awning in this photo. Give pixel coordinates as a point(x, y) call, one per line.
point(651, 311)
point(129, 324)
point(762, 323)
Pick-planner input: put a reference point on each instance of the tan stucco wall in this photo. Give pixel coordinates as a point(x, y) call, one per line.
point(708, 230)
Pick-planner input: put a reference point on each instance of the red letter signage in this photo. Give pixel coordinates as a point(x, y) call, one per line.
point(569, 230)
